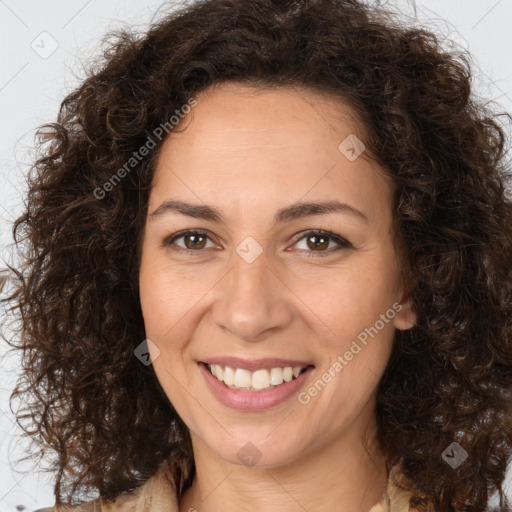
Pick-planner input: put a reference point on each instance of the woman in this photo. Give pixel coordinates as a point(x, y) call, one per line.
point(268, 267)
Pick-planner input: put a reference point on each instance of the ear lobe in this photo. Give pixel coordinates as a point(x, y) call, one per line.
point(405, 317)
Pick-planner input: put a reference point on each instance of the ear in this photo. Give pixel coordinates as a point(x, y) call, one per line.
point(405, 317)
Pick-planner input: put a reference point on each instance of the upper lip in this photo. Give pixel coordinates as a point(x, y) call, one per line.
point(256, 364)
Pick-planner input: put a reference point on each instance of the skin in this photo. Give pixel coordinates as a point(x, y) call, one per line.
point(249, 153)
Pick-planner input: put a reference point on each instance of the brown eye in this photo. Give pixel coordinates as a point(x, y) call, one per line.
point(194, 241)
point(320, 241)
point(191, 241)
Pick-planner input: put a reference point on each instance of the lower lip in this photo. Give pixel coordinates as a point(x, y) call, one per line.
point(253, 400)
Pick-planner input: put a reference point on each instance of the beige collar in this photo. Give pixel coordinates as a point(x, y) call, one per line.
point(158, 494)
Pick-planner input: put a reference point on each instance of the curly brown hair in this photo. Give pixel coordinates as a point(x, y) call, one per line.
point(89, 400)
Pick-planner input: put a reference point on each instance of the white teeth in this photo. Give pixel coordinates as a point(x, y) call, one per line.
point(229, 375)
point(242, 378)
point(259, 380)
point(276, 376)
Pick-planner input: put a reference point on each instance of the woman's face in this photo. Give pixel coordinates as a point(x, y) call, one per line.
point(255, 290)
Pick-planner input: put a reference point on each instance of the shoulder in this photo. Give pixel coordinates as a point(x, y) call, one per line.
point(126, 502)
point(158, 494)
point(403, 494)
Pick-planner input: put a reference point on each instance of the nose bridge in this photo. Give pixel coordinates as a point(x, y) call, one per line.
point(253, 299)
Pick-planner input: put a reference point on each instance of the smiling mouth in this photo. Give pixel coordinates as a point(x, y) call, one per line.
point(264, 379)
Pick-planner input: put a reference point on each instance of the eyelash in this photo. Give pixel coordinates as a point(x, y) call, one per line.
point(343, 244)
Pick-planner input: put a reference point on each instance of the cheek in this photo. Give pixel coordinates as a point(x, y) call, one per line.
point(349, 299)
point(162, 308)
point(172, 303)
point(165, 293)
point(159, 298)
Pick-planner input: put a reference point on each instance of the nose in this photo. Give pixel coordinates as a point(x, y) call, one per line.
point(253, 302)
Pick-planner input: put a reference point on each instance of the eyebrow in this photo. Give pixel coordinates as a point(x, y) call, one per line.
point(286, 214)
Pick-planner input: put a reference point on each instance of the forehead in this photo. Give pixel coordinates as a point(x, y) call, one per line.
point(246, 144)
point(268, 113)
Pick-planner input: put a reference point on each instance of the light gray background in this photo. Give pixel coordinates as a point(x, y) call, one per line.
point(43, 46)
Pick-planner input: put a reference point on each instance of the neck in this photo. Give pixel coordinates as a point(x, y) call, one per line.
point(342, 475)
